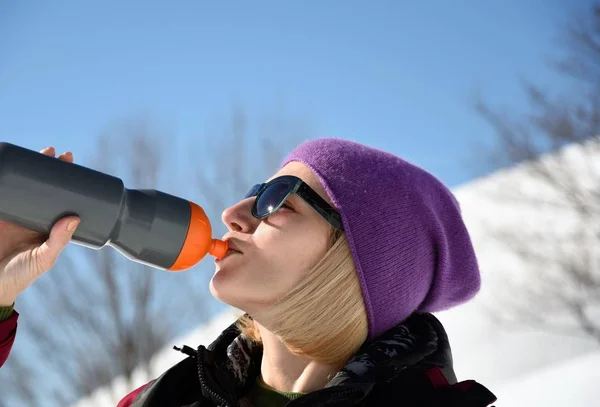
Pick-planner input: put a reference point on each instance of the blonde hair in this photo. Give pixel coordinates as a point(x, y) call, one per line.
point(324, 317)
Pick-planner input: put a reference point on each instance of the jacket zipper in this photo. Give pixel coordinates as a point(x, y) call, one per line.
point(196, 353)
point(214, 394)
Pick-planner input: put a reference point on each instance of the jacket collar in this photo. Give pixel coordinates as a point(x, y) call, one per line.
point(228, 368)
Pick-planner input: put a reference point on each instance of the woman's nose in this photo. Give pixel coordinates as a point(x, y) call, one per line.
point(239, 218)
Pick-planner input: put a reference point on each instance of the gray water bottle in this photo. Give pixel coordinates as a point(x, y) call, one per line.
point(145, 225)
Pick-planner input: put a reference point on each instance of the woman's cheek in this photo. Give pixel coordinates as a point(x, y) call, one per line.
point(279, 219)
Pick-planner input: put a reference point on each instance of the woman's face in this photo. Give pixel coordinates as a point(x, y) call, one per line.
point(273, 254)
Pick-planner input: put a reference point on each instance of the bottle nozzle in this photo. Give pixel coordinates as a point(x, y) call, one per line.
point(198, 242)
point(218, 248)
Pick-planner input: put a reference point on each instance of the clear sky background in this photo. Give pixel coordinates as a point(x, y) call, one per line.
point(398, 75)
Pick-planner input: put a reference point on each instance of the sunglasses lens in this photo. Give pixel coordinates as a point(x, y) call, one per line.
point(272, 197)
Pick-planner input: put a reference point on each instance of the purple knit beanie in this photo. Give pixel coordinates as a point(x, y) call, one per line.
point(408, 241)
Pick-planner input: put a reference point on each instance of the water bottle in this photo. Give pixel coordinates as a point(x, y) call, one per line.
point(145, 225)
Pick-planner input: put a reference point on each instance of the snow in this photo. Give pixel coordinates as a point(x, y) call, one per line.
point(522, 365)
point(109, 397)
point(574, 382)
point(548, 368)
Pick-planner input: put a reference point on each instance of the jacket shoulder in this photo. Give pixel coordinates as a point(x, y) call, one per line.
point(428, 387)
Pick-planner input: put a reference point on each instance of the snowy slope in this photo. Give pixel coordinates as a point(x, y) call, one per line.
point(575, 382)
point(521, 365)
point(519, 360)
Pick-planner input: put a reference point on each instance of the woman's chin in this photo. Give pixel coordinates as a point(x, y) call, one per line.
point(216, 286)
point(222, 289)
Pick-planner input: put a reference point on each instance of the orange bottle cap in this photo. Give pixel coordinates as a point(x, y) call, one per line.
point(198, 241)
point(218, 248)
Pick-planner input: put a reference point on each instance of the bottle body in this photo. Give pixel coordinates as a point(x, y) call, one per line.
point(151, 227)
point(147, 226)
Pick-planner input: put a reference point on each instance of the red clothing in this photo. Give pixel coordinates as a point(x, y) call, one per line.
point(8, 331)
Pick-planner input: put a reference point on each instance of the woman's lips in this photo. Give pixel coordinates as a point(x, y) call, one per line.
point(228, 253)
point(232, 245)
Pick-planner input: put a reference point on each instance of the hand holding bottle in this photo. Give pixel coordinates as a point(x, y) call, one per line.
point(25, 255)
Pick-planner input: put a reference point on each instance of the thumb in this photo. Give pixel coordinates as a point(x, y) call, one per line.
point(59, 238)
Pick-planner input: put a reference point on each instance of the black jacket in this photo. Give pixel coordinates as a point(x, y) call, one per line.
point(409, 366)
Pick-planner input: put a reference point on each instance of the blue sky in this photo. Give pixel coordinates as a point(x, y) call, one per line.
point(398, 75)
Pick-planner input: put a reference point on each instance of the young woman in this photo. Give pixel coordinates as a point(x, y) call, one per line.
point(337, 261)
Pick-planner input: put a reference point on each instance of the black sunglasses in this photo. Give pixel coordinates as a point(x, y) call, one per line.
point(273, 194)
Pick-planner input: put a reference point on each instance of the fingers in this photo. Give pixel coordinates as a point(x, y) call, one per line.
point(66, 156)
point(51, 152)
point(61, 232)
point(60, 236)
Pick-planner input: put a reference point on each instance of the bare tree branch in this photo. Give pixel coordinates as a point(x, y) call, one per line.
point(91, 318)
point(98, 315)
point(556, 149)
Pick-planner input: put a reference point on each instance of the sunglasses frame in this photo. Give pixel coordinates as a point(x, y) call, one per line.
point(305, 192)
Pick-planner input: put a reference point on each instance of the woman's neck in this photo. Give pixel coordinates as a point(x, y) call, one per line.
point(287, 372)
